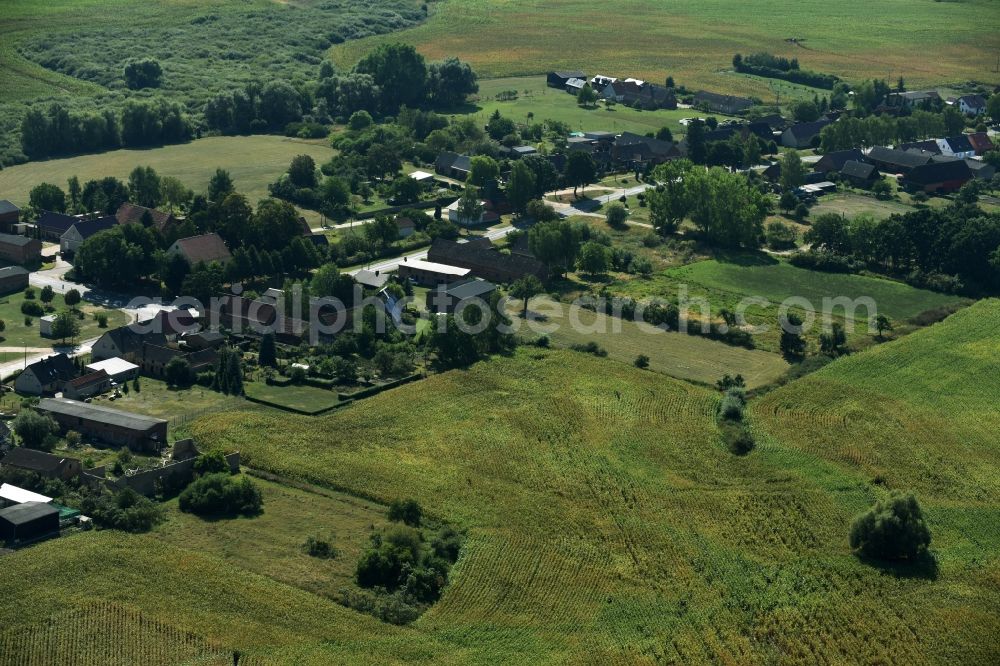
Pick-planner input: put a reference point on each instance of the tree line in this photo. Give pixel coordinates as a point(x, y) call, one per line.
point(56, 131)
point(777, 67)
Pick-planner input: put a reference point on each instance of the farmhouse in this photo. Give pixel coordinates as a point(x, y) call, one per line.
point(835, 161)
point(939, 176)
point(9, 215)
point(138, 432)
point(41, 463)
point(86, 386)
point(928, 145)
point(453, 165)
point(896, 161)
point(971, 105)
point(484, 261)
point(860, 174)
point(727, 104)
point(20, 249)
point(71, 240)
point(801, 135)
point(600, 82)
point(429, 273)
point(129, 213)
point(118, 369)
point(51, 226)
point(447, 298)
point(560, 79)
point(255, 317)
point(957, 146)
point(45, 376)
point(405, 227)
point(155, 359)
point(28, 522)
point(13, 278)
point(206, 248)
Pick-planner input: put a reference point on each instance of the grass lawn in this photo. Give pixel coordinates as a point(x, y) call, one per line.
point(851, 204)
point(271, 544)
point(179, 407)
point(695, 42)
point(304, 398)
point(555, 104)
point(679, 355)
point(252, 161)
point(19, 334)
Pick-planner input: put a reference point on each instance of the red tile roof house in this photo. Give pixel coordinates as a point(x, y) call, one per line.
point(88, 385)
point(201, 249)
point(129, 213)
point(981, 142)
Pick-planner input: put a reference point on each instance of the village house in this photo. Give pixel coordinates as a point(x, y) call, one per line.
point(256, 317)
point(114, 426)
point(41, 463)
point(10, 215)
point(956, 146)
point(938, 177)
point(803, 135)
point(88, 385)
point(125, 342)
point(980, 170)
point(453, 165)
point(45, 376)
point(447, 298)
point(727, 104)
point(560, 79)
point(981, 142)
point(860, 174)
point(206, 248)
point(155, 359)
point(51, 226)
point(203, 340)
point(835, 160)
point(374, 280)
point(71, 239)
point(405, 227)
point(642, 95)
point(486, 217)
point(635, 151)
point(971, 105)
point(600, 82)
point(20, 249)
point(129, 213)
point(925, 146)
point(483, 260)
point(13, 278)
point(429, 273)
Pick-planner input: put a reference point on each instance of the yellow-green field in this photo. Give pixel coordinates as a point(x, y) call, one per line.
point(925, 41)
point(252, 161)
point(605, 520)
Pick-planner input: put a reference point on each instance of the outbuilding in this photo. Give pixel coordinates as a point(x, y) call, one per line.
point(430, 273)
point(118, 369)
point(20, 249)
point(137, 431)
point(28, 522)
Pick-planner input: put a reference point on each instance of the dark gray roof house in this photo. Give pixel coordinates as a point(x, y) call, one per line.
point(41, 463)
point(800, 135)
point(559, 79)
point(45, 376)
point(28, 522)
point(835, 161)
point(896, 161)
point(446, 298)
point(930, 146)
point(722, 103)
point(453, 165)
point(960, 144)
point(638, 149)
point(112, 425)
point(53, 225)
point(6, 207)
point(859, 173)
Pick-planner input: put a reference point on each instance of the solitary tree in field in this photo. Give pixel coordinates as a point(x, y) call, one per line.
point(617, 215)
point(883, 325)
point(792, 344)
point(525, 288)
point(893, 529)
point(72, 298)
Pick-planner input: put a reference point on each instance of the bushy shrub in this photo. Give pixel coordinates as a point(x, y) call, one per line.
point(642, 361)
point(590, 348)
point(127, 511)
point(893, 529)
point(221, 495)
point(32, 309)
point(737, 438)
point(319, 549)
point(407, 511)
point(212, 462)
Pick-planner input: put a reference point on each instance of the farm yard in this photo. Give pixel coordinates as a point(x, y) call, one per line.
point(695, 42)
point(602, 514)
